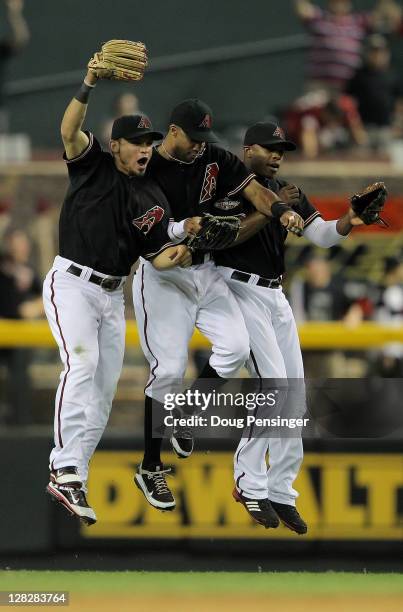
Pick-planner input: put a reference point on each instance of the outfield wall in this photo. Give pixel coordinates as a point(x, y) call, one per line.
point(351, 494)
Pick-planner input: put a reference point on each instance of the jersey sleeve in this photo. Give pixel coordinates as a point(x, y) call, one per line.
point(233, 175)
point(87, 158)
point(157, 239)
point(307, 210)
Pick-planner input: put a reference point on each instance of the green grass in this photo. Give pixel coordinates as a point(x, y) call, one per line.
point(287, 583)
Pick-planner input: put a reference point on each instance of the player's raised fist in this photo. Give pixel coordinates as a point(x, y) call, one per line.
point(292, 222)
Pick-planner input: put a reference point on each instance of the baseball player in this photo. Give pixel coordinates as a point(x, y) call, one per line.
point(253, 271)
point(112, 214)
point(192, 172)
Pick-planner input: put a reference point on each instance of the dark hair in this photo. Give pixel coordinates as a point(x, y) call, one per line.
point(391, 264)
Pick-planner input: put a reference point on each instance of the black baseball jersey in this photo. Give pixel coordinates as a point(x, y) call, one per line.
point(108, 218)
point(192, 188)
point(263, 254)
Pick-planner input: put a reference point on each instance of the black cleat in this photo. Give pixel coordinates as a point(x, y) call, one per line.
point(182, 440)
point(290, 517)
point(153, 485)
point(259, 509)
point(74, 500)
point(65, 476)
point(182, 443)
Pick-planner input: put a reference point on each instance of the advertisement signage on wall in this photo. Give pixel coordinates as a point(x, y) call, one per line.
point(343, 496)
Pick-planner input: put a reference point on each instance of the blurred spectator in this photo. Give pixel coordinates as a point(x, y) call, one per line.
point(20, 298)
point(19, 37)
point(336, 36)
point(124, 104)
point(389, 362)
point(377, 91)
point(320, 296)
point(387, 17)
point(323, 122)
point(24, 300)
point(398, 120)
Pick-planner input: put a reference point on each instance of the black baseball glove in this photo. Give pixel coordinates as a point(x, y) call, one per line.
point(216, 233)
point(368, 204)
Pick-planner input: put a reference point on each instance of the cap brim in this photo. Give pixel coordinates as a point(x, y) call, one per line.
point(284, 145)
point(139, 137)
point(202, 136)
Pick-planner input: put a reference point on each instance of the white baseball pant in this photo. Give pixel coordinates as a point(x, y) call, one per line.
point(88, 325)
point(169, 304)
point(276, 353)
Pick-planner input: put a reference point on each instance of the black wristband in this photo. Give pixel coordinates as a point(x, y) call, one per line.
point(83, 93)
point(278, 209)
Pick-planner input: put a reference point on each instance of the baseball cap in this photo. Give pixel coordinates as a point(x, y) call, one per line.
point(195, 118)
point(268, 134)
point(133, 127)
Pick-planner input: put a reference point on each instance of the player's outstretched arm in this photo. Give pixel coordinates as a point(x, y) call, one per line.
point(365, 209)
point(74, 139)
point(269, 204)
point(178, 255)
point(345, 224)
point(326, 234)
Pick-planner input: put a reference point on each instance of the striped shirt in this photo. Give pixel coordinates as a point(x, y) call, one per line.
point(336, 44)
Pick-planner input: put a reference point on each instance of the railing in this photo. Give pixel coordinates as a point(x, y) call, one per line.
point(314, 336)
point(177, 61)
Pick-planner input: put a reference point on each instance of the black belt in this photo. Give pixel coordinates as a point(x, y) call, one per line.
point(244, 277)
point(108, 284)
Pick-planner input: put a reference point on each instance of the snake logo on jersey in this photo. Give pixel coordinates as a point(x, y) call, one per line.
point(209, 186)
point(149, 219)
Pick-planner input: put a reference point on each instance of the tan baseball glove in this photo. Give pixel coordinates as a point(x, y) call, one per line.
point(119, 60)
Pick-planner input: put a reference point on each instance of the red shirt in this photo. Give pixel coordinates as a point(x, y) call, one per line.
point(336, 42)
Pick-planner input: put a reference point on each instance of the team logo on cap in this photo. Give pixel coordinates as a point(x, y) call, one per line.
point(149, 219)
point(144, 122)
point(210, 183)
point(279, 132)
point(206, 123)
